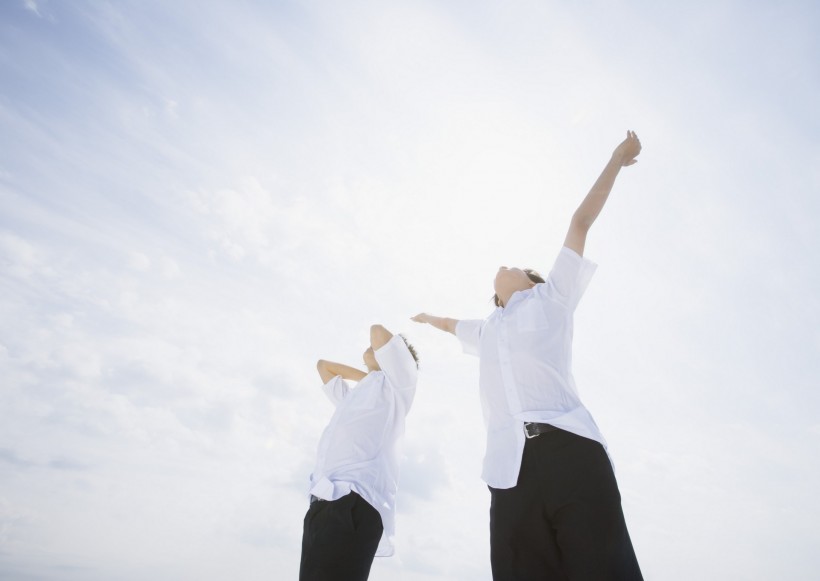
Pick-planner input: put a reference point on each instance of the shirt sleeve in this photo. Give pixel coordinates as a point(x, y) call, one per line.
point(469, 333)
point(398, 365)
point(336, 389)
point(569, 278)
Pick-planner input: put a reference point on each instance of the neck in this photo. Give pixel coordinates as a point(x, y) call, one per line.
point(505, 298)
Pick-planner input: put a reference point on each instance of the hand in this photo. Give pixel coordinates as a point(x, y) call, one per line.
point(421, 318)
point(628, 150)
point(441, 323)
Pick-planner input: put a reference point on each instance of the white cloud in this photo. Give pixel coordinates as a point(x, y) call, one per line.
point(138, 261)
point(169, 267)
point(21, 258)
point(31, 6)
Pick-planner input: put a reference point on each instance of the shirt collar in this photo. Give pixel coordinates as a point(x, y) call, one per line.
point(517, 296)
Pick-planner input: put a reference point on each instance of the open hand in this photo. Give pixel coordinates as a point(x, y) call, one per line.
point(628, 150)
point(421, 318)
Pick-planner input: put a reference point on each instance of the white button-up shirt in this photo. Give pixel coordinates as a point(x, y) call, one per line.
point(357, 450)
point(525, 370)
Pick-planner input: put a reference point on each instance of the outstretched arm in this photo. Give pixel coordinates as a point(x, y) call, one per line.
point(624, 155)
point(330, 369)
point(442, 323)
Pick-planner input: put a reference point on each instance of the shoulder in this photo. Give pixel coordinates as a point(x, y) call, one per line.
point(393, 354)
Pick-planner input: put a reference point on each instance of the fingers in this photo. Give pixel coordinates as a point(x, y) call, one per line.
point(629, 149)
point(636, 143)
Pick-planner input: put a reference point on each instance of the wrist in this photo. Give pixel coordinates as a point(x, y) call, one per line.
point(617, 159)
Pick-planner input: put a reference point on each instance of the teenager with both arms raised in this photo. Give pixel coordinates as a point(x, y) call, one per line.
point(353, 485)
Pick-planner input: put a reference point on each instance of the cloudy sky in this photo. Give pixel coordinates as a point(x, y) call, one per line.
point(198, 200)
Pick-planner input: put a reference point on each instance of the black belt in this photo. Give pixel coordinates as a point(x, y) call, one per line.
point(316, 499)
point(533, 429)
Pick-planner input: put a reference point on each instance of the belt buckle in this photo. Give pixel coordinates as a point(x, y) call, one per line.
point(527, 432)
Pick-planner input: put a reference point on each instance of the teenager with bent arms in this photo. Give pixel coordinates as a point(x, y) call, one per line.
point(555, 509)
point(353, 487)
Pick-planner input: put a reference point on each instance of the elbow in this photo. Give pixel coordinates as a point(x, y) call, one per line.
point(379, 336)
point(321, 365)
point(376, 331)
point(581, 222)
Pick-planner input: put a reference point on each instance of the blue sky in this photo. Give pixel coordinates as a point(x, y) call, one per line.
point(199, 200)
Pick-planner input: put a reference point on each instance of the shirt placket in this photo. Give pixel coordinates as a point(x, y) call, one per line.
point(505, 363)
point(329, 435)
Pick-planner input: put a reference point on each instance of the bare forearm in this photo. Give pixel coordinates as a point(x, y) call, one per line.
point(330, 369)
point(594, 201)
point(442, 323)
point(623, 156)
point(379, 336)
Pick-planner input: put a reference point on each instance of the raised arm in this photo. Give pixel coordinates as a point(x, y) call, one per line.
point(442, 323)
point(379, 336)
point(624, 155)
point(330, 369)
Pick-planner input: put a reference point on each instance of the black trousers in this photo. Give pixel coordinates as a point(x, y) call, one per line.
point(340, 539)
point(563, 520)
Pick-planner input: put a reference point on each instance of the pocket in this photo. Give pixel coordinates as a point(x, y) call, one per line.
point(368, 397)
point(360, 510)
point(365, 519)
point(343, 513)
point(355, 512)
point(531, 318)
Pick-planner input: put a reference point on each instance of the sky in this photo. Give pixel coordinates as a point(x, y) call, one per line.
point(200, 200)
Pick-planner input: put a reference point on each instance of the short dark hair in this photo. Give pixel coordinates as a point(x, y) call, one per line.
point(533, 276)
point(411, 349)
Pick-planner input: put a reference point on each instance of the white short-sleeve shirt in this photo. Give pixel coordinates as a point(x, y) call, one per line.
point(525, 369)
point(357, 450)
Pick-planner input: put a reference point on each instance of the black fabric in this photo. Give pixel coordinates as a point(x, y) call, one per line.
point(563, 520)
point(340, 539)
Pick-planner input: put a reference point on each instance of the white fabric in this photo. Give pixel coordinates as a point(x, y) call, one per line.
point(357, 450)
point(525, 369)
